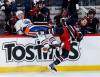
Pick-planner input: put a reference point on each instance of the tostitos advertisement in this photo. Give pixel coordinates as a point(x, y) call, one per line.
point(26, 54)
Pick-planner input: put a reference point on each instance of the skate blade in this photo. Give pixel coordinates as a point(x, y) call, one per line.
point(51, 70)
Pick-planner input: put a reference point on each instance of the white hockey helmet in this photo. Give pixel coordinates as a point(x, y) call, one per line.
point(19, 12)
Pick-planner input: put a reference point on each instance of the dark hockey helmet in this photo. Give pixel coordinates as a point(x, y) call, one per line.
point(92, 11)
point(58, 30)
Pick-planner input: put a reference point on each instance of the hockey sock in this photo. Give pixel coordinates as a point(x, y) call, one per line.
point(62, 57)
point(58, 60)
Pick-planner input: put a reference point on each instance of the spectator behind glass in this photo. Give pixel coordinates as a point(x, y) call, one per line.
point(21, 23)
point(2, 22)
point(70, 20)
point(7, 11)
point(34, 12)
point(64, 4)
point(12, 22)
point(72, 6)
point(13, 7)
point(83, 25)
point(27, 5)
point(57, 19)
point(45, 12)
point(40, 12)
point(93, 21)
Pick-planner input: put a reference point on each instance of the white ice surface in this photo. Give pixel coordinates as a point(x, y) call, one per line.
point(50, 74)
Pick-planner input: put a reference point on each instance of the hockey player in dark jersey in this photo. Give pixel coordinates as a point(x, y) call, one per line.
point(66, 33)
point(64, 36)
